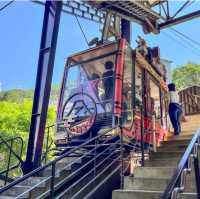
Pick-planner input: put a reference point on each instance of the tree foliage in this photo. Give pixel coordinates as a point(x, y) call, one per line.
point(15, 121)
point(19, 95)
point(15, 117)
point(186, 75)
point(16, 95)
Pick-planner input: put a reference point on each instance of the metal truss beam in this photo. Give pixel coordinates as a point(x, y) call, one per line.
point(182, 19)
point(83, 10)
point(133, 11)
point(96, 11)
point(80, 9)
point(43, 84)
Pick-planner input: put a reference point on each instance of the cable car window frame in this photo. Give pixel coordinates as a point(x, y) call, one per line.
point(132, 79)
point(66, 68)
point(134, 89)
point(153, 79)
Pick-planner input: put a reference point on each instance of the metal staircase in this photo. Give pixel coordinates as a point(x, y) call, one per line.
point(171, 172)
point(80, 172)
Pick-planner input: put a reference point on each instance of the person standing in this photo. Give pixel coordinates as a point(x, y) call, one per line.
point(108, 84)
point(108, 80)
point(175, 109)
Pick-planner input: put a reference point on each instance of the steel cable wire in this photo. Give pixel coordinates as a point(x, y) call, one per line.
point(6, 5)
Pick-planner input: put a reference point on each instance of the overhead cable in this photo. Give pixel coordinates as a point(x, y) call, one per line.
point(186, 42)
point(6, 5)
point(189, 4)
point(186, 37)
point(82, 30)
point(191, 50)
point(181, 8)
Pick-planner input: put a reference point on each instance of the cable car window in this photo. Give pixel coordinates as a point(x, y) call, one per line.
point(127, 110)
point(95, 78)
point(155, 99)
point(138, 87)
point(164, 111)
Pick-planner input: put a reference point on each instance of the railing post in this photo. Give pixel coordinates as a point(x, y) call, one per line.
point(8, 165)
point(183, 108)
point(121, 158)
point(197, 174)
point(142, 137)
point(53, 169)
point(154, 133)
point(95, 152)
point(47, 143)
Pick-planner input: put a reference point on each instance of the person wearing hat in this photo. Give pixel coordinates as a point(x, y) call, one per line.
point(175, 109)
point(108, 80)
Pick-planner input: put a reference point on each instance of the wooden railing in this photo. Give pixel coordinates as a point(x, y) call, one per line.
point(190, 99)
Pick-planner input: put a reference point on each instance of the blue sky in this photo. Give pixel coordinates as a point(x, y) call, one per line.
point(20, 33)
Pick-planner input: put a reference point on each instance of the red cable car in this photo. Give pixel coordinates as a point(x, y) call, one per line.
point(107, 82)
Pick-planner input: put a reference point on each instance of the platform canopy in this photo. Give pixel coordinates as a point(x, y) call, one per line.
point(137, 11)
point(152, 15)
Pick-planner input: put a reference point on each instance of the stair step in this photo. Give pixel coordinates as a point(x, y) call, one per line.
point(17, 190)
point(59, 171)
point(170, 162)
point(68, 160)
point(62, 168)
point(191, 128)
point(176, 142)
point(166, 154)
point(153, 184)
point(182, 134)
point(143, 194)
point(180, 148)
point(175, 146)
point(180, 137)
point(34, 181)
point(154, 172)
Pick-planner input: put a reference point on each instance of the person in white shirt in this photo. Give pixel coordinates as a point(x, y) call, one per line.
point(175, 109)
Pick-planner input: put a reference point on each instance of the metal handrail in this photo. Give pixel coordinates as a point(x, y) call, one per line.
point(48, 146)
point(9, 147)
point(57, 186)
point(10, 167)
point(115, 160)
point(52, 163)
point(89, 172)
point(177, 183)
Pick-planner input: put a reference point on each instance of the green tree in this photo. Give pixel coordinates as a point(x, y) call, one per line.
point(15, 121)
point(16, 95)
point(19, 95)
point(186, 75)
